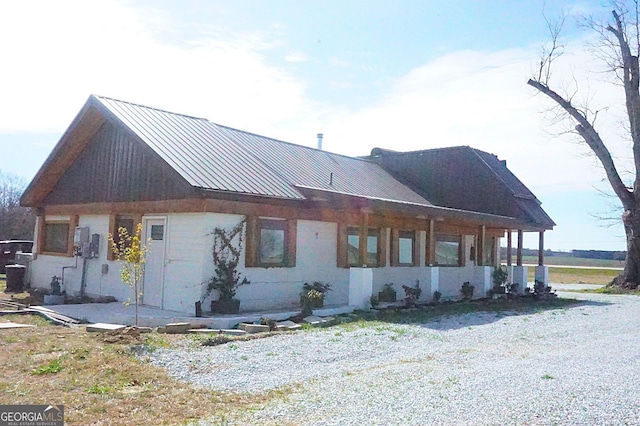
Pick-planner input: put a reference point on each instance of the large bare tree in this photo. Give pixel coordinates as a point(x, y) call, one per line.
point(621, 46)
point(16, 222)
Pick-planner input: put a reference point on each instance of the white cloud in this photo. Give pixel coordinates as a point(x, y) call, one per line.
point(63, 51)
point(296, 57)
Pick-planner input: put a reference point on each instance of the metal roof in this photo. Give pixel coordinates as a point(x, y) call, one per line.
point(465, 178)
point(304, 166)
point(199, 151)
point(216, 157)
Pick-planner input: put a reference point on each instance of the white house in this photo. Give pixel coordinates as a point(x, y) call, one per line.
point(357, 223)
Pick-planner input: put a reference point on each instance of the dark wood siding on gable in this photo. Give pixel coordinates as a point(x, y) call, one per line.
point(114, 168)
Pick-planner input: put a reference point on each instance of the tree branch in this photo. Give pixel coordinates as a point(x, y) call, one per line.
point(631, 80)
point(593, 140)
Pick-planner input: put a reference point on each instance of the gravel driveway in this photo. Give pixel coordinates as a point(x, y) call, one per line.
point(573, 366)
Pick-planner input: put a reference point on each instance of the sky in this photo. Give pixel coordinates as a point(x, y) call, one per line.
point(403, 75)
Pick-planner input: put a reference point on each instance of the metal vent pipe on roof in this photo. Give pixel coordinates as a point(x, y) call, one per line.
point(320, 141)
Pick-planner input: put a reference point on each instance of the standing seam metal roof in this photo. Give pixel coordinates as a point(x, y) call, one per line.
point(216, 157)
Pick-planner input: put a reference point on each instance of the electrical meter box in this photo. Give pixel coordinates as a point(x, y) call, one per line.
point(81, 236)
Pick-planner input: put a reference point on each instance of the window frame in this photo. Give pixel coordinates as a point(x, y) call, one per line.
point(396, 236)
point(448, 238)
point(347, 230)
point(255, 225)
point(113, 228)
point(488, 251)
point(71, 223)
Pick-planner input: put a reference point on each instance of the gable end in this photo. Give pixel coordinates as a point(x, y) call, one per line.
point(115, 168)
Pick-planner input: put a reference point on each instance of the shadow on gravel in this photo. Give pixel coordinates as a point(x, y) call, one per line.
point(455, 315)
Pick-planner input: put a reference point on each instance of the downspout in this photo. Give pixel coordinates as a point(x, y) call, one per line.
point(68, 267)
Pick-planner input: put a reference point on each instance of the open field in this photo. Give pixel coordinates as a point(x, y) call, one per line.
point(571, 261)
point(563, 275)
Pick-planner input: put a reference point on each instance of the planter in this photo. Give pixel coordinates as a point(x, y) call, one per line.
point(54, 299)
point(225, 306)
point(387, 296)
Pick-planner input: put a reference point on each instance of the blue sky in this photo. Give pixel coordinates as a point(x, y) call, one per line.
point(403, 75)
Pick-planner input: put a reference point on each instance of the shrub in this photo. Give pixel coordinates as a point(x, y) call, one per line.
point(467, 290)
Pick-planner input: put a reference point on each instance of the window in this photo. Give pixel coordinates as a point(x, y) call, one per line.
point(56, 237)
point(403, 248)
point(126, 221)
point(488, 251)
point(353, 246)
point(270, 242)
point(373, 259)
point(349, 247)
point(447, 250)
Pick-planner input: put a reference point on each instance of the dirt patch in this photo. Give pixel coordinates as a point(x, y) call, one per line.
point(124, 336)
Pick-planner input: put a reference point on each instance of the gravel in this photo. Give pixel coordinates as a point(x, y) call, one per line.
point(578, 365)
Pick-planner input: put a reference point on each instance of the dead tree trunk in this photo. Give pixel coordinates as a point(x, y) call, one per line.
point(630, 276)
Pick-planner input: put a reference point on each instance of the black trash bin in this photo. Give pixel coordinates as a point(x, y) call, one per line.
point(15, 277)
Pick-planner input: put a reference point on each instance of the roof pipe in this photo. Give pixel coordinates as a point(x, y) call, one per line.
point(320, 141)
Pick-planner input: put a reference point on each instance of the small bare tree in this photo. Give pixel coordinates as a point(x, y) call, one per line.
point(16, 222)
point(131, 251)
point(621, 48)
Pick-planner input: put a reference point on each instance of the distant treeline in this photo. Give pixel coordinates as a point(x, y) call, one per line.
point(588, 254)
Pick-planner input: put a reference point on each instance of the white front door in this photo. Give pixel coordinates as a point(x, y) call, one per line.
point(153, 282)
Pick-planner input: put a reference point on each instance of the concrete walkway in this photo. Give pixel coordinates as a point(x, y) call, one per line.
point(118, 313)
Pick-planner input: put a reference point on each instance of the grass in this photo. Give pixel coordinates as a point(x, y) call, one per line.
point(572, 261)
point(568, 275)
point(609, 290)
point(379, 320)
point(99, 382)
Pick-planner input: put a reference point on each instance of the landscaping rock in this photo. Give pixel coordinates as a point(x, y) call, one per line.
point(102, 327)
point(318, 321)
point(177, 328)
point(256, 328)
point(231, 332)
point(287, 325)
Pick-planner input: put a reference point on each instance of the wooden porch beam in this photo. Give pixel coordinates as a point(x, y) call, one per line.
point(541, 249)
point(519, 252)
point(509, 244)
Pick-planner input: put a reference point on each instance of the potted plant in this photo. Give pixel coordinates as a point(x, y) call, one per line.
point(227, 247)
point(467, 290)
point(499, 278)
point(412, 294)
point(312, 295)
point(387, 294)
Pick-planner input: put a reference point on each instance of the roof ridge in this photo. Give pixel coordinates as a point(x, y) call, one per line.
point(388, 152)
point(99, 97)
point(295, 144)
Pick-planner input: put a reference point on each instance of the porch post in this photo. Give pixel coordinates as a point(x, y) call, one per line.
point(430, 248)
point(509, 243)
point(541, 271)
point(480, 249)
point(541, 249)
point(519, 252)
point(364, 233)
